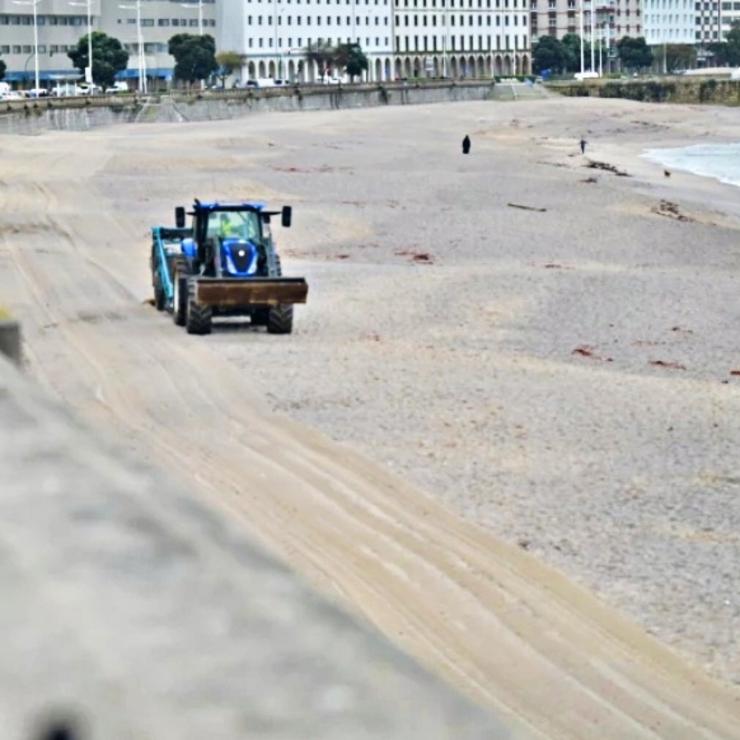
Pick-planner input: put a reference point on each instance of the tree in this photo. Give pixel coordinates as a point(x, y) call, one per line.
point(322, 54)
point(350, 58)
point(2, 69)
point(109, 57)
point(195, 56)
point(572, 47)
point(548, 53)
point(728, 52)
point(634, 53)
point(677, 56)
point(228, 63)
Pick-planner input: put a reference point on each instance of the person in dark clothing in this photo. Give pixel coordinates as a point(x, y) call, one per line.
point(466, 144)
point(583, 145)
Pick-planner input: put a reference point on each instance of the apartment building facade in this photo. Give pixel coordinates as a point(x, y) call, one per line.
point(555, 18)
point(708, 20)
point(401, 38)
point(461, 38)
point(729, 16)
point(59, 26)
point(669, 21)
point(61, 23)
point(274, 34)
point(160, 20)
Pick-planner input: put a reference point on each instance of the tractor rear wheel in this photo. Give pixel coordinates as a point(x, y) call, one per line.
point(180, 299)
point(280, 319)
point(198, 318)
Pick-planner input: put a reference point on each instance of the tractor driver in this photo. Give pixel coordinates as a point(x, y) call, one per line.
point(233, 225)
point(227, 228)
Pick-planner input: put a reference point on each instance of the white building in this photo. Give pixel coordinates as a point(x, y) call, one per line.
point(61, 24)
point(411, 38)
point(668, 21)
point(708, 20)
point(461, 38)
point(730, 14)
point(273, 34)
point(160, 20)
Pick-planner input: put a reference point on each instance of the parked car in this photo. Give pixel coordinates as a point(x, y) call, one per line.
point(11, 95)
point(117, 87)
point(85, 88)
point(36, 92)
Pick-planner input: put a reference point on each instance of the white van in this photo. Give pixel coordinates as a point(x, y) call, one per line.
point(586, 76)
point(118, 87)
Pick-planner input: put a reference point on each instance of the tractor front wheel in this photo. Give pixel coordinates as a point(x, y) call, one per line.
point(280, 319)
point(198, 319)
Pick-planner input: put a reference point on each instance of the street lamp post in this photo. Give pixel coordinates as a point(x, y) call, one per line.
point(89, 68)
point(140, 44)
point(582, 32)
point(278, 47)
point(33, 4)
point(593, 37)
point(445, 41)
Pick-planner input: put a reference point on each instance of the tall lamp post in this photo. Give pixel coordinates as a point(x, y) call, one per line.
point(34, 5)
point(89, 68)
point(593, 37)
point(582, 32)
point(140, 43)
point(445, 41)
point(278, 48)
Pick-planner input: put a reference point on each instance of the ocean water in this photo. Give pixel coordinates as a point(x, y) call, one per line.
point(720, 161)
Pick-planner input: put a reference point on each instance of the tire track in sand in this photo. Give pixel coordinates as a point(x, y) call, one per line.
point(506, 629)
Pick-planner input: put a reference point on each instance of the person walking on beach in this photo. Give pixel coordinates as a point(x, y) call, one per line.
point(583, 145)
point(466, 144)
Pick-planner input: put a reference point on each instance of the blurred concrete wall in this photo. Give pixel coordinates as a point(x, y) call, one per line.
point(128, 609)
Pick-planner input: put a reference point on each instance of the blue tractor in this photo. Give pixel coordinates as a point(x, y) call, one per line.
point(223, 264)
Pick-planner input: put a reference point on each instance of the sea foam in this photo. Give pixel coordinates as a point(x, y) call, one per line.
point(720, 161)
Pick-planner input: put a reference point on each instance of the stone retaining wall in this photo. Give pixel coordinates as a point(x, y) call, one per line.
point(668, 90)
point(81, 114)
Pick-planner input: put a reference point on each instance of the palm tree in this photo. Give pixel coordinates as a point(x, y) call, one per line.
point(322, 54)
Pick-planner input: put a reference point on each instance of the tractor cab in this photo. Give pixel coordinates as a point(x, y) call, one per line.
point(230, 239)
point(235, 240)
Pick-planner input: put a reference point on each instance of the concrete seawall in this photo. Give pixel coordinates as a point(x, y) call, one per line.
point(665, 90)
point(77, 114)
point(132, 610)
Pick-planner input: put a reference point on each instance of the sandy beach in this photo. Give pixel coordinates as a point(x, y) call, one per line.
point(540, 347)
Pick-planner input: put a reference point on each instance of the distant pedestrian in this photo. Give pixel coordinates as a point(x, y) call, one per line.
point(466, 144)
point(583, 145)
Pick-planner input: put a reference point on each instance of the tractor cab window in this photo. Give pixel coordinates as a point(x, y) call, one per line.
point(242, 225)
